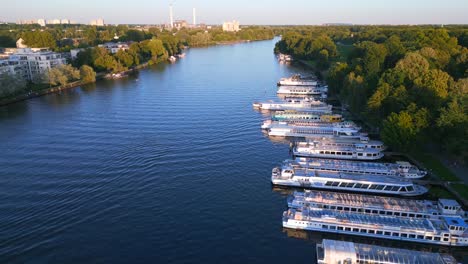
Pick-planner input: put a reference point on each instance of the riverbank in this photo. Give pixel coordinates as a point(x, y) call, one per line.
point(443, 173)
point(33, 94)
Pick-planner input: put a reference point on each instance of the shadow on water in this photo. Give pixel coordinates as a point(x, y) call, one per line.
point(13, 110)
point(62, 98)
point(317, 237)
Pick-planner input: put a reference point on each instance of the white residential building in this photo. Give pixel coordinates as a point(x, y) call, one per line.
point(30, 64)
point(97, 22)
point(41, 22)
point(53, 21)
point(115, 47)
point(64, 21)
point(232, 26)
point(74, 53)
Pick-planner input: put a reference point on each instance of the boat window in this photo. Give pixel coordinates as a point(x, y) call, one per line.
point(387, 188)
point(340, 228)
point(428, 237)
point(420, 237)
point(412, 236)
point(359, 154)
point(404, 235)
point(358, 185)
point(404, 214)
point(324, 226)
point(353, 209)
point(335, 183)
point(379, 232)
point(396, 234)
point(355, 229)
point(373, 187)
point(410, 188)
point(380, 187)
point(365, 186)
point(387, 233)
point(328, 183)
point(371, 231)
point(437, 238)
point(339, 208)
point(348, 228)
point(363, 230)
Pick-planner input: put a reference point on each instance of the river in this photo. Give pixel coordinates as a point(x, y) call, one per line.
point(168, 166)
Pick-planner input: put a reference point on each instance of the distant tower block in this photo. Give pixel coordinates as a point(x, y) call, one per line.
point(171, 16)
point(194, 16)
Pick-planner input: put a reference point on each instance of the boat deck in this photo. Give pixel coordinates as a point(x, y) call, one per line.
point(375, 221)
point(368, 201)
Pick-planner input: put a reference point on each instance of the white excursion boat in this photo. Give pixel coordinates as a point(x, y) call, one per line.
point(297, 80)
point(399, 168)
point(358, 151)
point(342, 142)
point(334, 251)
point(376, 205)
point(284, 57)
point(308, 116)
point(448, 231)
point(281, 130)
point(303, 90)
point(303, 177)
point(294, 104)
point(308, 123)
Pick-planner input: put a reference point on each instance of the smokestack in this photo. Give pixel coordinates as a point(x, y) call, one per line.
point(171, 17)
point(194, 17)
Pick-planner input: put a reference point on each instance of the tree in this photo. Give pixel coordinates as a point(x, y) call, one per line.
point(336, 77)
point(87, 74)
point(453, 126)
point(11, 84)
point(124, 58)
point(39, 39)
point(55, 77)
point(102, 59)
point(413, 65)
point(135, 35)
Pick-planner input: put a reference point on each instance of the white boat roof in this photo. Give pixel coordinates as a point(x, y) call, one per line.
point(375, 221)
point(368, 201)
point(378, 254)
point(382, 179)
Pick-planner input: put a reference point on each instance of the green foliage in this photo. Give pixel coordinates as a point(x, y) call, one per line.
point(402, 131)
point(404, 79)
point(61, 75)
point(124, 58)
point(87, 74)
point(39, 39)
point(11, 85)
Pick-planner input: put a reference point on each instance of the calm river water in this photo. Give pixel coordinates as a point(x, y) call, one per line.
point(168, 166)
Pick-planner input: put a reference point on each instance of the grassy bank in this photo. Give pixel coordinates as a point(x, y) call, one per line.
point(436, 167)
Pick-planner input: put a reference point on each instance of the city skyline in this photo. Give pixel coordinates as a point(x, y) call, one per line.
point(272, 12)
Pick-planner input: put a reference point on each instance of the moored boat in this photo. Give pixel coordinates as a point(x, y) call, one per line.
point(300, 115)
point(377, 205)
point(399, 168)
point(298, 80)
point(448, 231)
point(284, 130)
point(294, 104)
point(303, 90)
point(355, 151)
point(334, 251)
point(287, 175)
point(308, 123)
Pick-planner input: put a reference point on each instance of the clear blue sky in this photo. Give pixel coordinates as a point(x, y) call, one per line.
point(270, 12)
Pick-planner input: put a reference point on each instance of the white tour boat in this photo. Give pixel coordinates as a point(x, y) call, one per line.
point(303, 90)
point(448, 231)
point(356, 151)
point(294, 104)
point(377, 205)
point(334, 251)
point(267, 124)
point(399, 168)
point(281, 130)
point(307, 116)
point(297, 80)
point(364, 183)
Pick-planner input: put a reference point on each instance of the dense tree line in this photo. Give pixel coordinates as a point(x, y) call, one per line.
point(410, 81)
